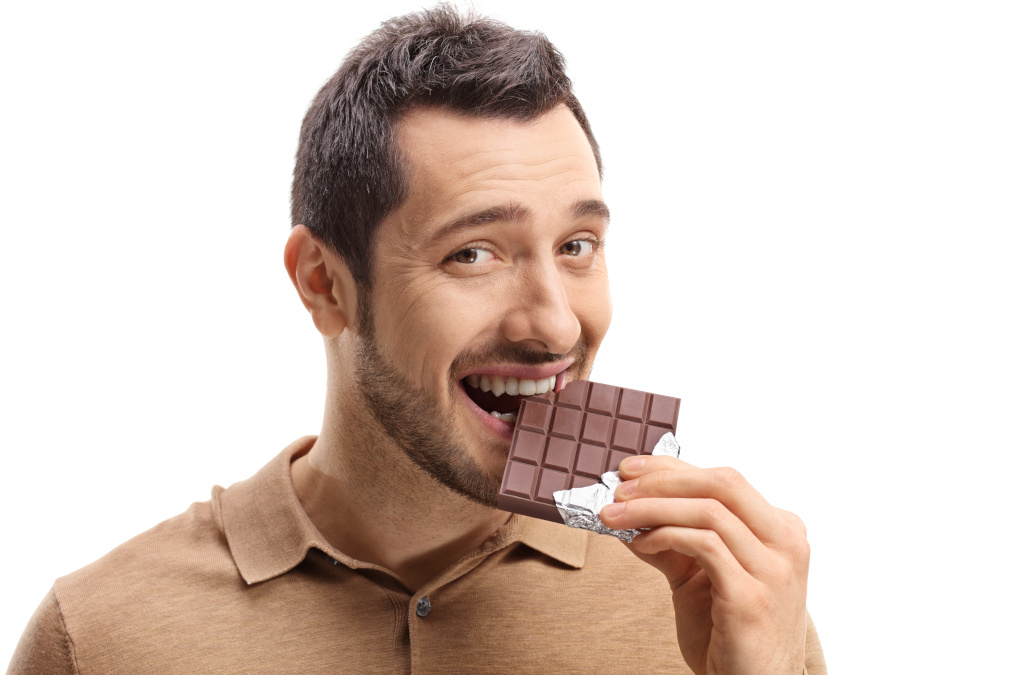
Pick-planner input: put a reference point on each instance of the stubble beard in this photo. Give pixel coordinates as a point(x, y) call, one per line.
point(413, 418)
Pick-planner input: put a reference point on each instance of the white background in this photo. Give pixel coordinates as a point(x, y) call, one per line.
point(810, 245)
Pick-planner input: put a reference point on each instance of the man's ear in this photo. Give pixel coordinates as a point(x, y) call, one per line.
point(323, 281)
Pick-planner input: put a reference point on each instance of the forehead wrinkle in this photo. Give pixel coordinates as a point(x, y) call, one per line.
point(453, 179)
point(513, 167)
point(479, 153)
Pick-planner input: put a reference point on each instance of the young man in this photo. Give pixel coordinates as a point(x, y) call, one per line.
point(448, 222)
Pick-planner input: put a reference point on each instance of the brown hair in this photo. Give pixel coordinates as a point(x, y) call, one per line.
point(348, 175)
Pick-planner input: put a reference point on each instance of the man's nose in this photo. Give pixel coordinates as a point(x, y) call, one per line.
point(540, 313)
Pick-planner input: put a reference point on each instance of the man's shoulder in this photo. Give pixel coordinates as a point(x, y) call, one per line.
point(116, 614)
point(186, 552)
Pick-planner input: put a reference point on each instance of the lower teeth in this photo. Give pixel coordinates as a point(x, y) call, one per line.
point(506, 417)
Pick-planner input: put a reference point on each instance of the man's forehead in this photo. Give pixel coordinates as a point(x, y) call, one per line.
point(465, 170)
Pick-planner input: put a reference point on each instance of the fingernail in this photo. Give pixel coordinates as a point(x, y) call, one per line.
point(626, 488)
point(613, 510)
point(631, 463)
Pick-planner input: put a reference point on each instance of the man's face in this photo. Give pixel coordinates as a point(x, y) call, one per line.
point(490, 279)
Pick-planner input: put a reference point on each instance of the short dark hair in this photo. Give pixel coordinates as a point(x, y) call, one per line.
point(348, 174)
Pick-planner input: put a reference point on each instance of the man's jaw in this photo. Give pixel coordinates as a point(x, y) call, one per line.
point(494, 393)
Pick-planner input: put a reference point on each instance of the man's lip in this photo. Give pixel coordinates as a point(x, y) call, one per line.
point(499, 427)
point(520, 371)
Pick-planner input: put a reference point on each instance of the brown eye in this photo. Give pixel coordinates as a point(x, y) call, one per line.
point(575, 248)
point(468, 255)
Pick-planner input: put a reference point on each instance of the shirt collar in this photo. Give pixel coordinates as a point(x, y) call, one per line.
point(266, 527)
point(269, 533)
point(568, 545)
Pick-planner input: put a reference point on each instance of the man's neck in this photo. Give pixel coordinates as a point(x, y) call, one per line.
point(373, 504)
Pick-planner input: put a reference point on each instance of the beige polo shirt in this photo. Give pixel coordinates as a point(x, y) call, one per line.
point(244, 583)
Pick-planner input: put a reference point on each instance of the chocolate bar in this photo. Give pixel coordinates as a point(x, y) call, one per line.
point(569, 439)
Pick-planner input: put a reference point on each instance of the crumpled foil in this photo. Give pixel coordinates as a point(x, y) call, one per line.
point(579, 507)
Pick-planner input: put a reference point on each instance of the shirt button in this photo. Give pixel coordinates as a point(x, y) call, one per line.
point(422, 607)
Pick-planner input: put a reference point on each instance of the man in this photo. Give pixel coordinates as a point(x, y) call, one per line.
point(448, 222)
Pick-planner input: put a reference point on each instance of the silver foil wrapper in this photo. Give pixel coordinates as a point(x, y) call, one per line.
point(579, 507)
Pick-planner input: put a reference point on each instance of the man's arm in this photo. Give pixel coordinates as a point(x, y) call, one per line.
point(737, 566)
point(45, 646)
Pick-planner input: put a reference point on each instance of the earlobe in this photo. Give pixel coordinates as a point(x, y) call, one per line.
point(323, 281)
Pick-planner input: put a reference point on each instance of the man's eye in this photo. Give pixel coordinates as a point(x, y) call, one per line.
point(469, 256)
point(576, 248)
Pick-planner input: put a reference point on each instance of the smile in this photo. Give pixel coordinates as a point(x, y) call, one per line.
point(506, 393)
point(500, 395)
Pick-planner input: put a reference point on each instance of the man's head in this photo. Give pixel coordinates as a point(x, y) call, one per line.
point(349, 173)
point(482, 278)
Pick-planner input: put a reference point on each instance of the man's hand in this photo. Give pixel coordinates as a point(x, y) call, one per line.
point(737, 566)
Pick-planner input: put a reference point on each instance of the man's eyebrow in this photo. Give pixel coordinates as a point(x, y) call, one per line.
point(513, 212)
point(590, 207)
point(510, 212)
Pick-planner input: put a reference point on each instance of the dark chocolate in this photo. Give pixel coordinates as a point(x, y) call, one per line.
point(569, 439)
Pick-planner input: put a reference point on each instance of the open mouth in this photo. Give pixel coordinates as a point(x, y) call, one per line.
point(501, 396)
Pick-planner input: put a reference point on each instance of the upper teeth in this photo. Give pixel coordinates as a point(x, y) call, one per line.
point(499, 385)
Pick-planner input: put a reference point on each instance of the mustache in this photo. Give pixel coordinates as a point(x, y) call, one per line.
point(509, 353)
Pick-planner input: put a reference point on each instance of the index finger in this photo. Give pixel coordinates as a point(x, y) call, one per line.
point(634, 467)
point(661, 476)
